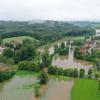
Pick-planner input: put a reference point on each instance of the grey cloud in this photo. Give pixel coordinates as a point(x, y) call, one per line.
point(49, 9)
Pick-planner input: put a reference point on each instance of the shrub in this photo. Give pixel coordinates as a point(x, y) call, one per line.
point(81, 73)
point(43, 77)
point(23, 65)
point(6, 75)
point(90, 73)
point(75, 73)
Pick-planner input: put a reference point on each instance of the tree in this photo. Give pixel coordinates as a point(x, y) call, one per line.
point(97, 76)
point(27, 42)
point(36, 89)
point(60, 71)
point(34, 66)
point(62, 45)
point(17, 46)
point(52, 70)
point(75, 73)
point(56, 48)
point(81, 73)
point(43, 77)
point(8, 53)
point(90, 73)
point(1, 41)
point(46, 59)
point(68, 72)
point(28, 52)
point(17, 56)
point(98, 66)
point(23, 65)
point(10, 45)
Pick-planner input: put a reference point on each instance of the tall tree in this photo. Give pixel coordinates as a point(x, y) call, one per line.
point(8, 53)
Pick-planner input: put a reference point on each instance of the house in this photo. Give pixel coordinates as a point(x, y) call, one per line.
point(2, 48)
point(97, 33)
point(85, 47)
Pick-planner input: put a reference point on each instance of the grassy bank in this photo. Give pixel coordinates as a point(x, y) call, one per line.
point(85, 89)
point(27, 73)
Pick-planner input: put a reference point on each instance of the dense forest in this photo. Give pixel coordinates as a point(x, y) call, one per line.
point(45, 31)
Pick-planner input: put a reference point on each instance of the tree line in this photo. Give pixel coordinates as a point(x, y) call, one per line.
point(62, 49)
point(69, 72)
point(48, 31)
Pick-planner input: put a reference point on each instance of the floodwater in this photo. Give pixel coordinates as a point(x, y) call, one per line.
point(17, 88)
point(68, 61)
point(21, 88)
point(58, 90)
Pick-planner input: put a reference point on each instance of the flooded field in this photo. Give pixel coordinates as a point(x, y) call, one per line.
point(58, 90)
point(17, 88)
point(20, 87)
point(68, 61)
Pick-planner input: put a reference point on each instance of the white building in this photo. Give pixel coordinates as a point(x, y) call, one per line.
point(97, 32)
point(1, 49)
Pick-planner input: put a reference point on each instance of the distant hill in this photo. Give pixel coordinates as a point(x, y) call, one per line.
point(43, 30)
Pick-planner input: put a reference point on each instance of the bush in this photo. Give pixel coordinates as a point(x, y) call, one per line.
point(34, 66)
point(81, 73)
point(97, 75)
point(90, 73)
point(52, 70)
point(60, 71)
point(6, 75)
point(29, 66)
point(23, 65)
point(36, 89)
point(43, 77)
point(75, 73)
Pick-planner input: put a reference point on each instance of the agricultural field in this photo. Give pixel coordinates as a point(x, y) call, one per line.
point(85, 89)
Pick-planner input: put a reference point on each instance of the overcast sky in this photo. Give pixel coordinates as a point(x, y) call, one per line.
point(50, 9)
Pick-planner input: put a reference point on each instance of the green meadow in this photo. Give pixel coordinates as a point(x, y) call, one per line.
point(85, 89)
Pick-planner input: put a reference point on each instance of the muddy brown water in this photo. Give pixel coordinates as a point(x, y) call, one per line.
point(21, 88)
point(17, 88)
point(68, 61)
point(58, 90)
